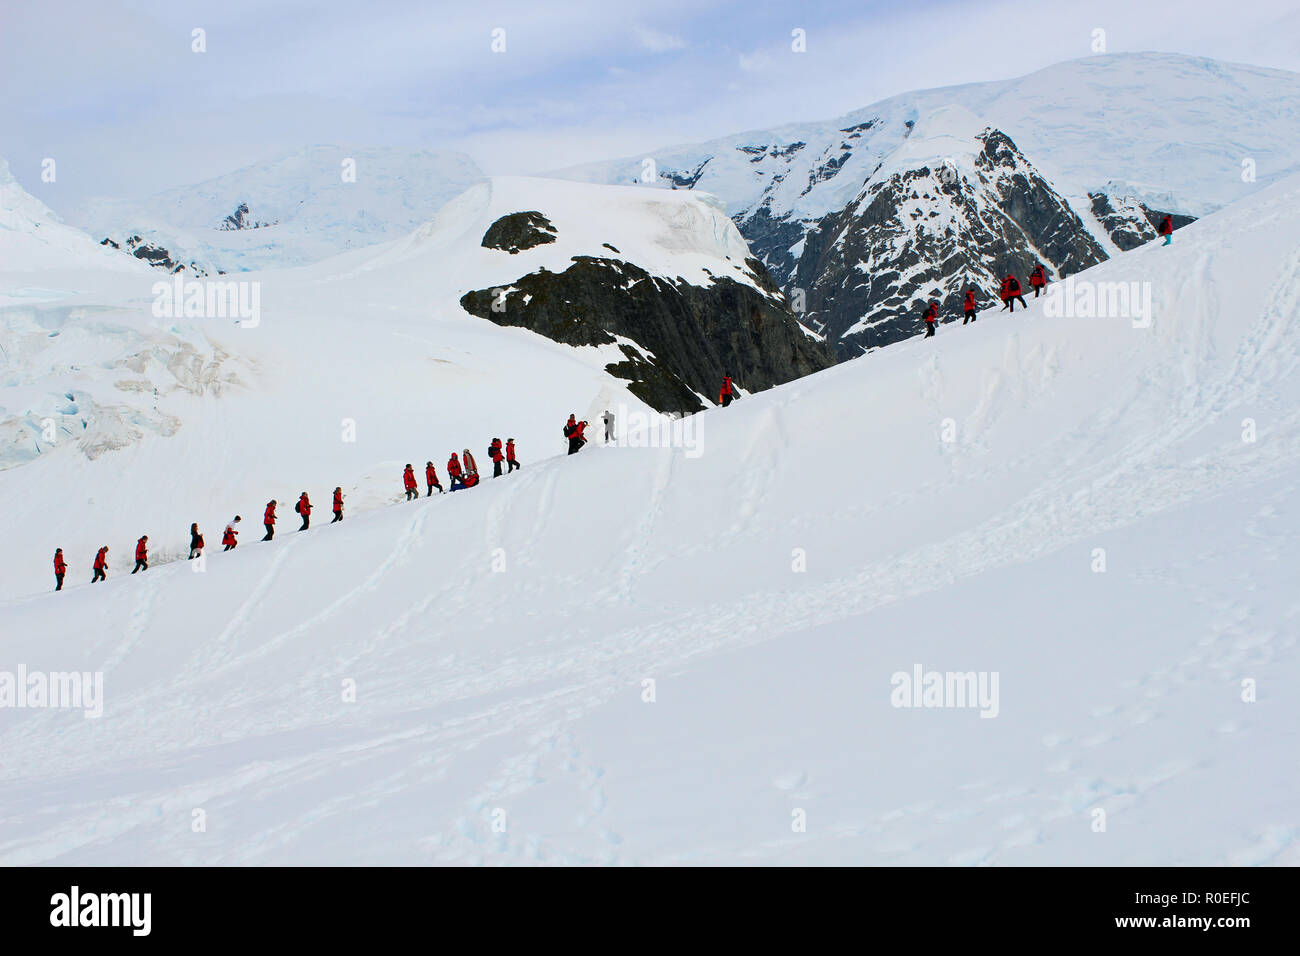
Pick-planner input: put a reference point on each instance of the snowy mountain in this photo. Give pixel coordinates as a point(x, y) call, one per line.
point(1118, 139)
point(1036, 606)
point(298, 208)
point(213, 394)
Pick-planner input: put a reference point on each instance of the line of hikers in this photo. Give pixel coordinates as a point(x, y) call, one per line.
point(1009, 292)
point(462, 476)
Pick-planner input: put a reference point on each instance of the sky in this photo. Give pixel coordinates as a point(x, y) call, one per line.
point(117, 95)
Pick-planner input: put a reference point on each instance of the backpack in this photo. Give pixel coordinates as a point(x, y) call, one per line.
point(298, 506)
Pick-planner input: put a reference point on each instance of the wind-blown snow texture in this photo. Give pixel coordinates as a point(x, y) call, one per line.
point(500, 639)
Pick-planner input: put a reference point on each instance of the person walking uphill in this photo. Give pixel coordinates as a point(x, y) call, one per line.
point(408, 482)
point(1012, 285)
point(573, 430)
point(228, 537)
point(968, 307)
point(268, 520)
point(726, 394)
point(196, 541)
point(454, 473)
point(303, 507)
point(431, 478)
point(60, 569)
point(497, 456)
point(1038, 279)
point(141, 554)
point(101, 565)
point(931, 316)
point(338, 505)
point(510, 456)
point(1167, 229)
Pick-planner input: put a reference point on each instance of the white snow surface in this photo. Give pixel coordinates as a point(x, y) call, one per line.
point(500, 640)
point(312, 207)
point(1169, 129)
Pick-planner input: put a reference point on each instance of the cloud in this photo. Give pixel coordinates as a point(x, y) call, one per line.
point(656, 41)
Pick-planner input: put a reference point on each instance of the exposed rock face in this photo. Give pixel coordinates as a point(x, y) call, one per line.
point(155, 255)
point(1129, 222)
point(678, 340)
point(518, 231)
point(868, 269)
point(240, 219)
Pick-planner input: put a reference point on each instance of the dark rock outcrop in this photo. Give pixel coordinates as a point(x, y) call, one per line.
point(677, 339)
point(519, 231)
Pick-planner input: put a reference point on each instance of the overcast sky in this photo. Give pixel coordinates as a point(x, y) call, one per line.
point(114, 93)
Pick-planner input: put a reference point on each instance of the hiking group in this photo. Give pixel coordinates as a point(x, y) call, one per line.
point(1010, 292)
point(462, 471)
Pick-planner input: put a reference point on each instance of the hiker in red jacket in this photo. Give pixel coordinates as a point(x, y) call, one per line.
point(1167, 229)
point(60, 569)
point(303, 507)
point(141, 554)
point(431, 478)
point(268, 520)
point(408, 482)
point(453, 473)
point(338, 505)
point(497, 456)
point(1013, 293)
point(727, 393)
point(573, 431)
point(231, 533)
point(1038, 279)
point(101, 565)
point(510, 456)
point(968, 307)
point(196, 541)
point(931, 316)
point(1004, 293)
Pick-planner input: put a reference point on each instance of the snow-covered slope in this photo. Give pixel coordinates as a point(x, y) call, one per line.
point(659, 655)
point(212, 414)
point(33, 238)
point(297, 208)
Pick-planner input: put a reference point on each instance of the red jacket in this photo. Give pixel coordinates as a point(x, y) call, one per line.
point(59, 566)
point(141, 552)
point(430, 476)
point(1013, 287)
point(969, 304)
point(1005, 291)
point(408, 478)
point(269, 517)
point(495, 449)
point(338, 501)
point(510, 451)
point(101, 559)
point(228, 536)
point(453, 466)
point(304, 506)
point(1036, 277)
point(1166, 225)
point(578, 429)
point(932, 313)
point(727, 388)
